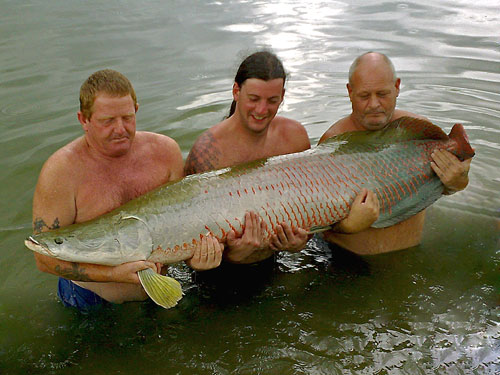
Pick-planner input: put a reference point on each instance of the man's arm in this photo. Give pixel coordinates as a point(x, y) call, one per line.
point(204, 155)
point(54, 207)
point(171, 152)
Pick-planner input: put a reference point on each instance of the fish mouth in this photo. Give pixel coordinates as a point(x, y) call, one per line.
point(34, 245)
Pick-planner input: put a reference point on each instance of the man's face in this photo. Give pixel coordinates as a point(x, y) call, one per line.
point(373, 92)
point(111, 127)
point(257, 102)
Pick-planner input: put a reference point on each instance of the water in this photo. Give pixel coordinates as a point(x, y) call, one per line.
point(431, 309)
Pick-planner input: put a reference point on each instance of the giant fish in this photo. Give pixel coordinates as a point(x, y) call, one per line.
point(312, 190)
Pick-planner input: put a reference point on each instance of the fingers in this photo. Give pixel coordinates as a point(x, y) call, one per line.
point(231, 238)
point(445, 162)
point(437, 170)
point(254, 225)
point(443, 157)
point(372, 201)
point(214, 252)
point(452, 172)
point(360, 197)
point(288, 238)
point(364, 212)
point(250, 228)
point(207, 254)
point(148, 264)
point(365, 200)
point(284, 233)
point(254, 231)
point(127, 272)
point(158, 267)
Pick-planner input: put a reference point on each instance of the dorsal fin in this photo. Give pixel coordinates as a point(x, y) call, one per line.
point(402, 129)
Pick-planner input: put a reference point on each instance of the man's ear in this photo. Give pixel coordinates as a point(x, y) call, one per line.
point(236, 91)
point(398, 83)
point(136, 107)
point(83, 120)
point(349, 90)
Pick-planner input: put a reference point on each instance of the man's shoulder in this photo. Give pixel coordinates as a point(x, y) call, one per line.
point(288, 124)
point(154, 144)
point(292, 132)
point(144, 137)
point(341, 126)
point(64, 166)
point(67, 156)
point(205, 153)
point(155, 150)
point(398, 113)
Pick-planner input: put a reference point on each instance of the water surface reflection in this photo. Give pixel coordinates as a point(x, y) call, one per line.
point(430, 309)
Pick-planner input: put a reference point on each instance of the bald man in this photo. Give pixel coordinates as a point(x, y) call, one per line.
point(373, 89)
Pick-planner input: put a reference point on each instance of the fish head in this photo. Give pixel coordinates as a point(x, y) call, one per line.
point(64, 243)
point(108, 242)
point(37, 246)
point(48, 243)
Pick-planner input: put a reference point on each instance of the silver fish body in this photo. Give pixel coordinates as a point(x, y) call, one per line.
point(312, 190)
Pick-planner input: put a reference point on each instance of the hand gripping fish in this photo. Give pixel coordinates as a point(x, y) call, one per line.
point(312, 190)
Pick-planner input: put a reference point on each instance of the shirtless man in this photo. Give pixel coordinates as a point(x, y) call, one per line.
point(373, 88)
point(96, 173)
point(253, 131)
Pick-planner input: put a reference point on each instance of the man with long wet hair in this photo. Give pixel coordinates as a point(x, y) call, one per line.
point(253, 131)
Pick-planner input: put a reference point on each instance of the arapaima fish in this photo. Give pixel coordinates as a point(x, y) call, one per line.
point(312, 190)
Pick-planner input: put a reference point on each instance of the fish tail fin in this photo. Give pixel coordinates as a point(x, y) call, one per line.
point(463, 148)
point(163, 290)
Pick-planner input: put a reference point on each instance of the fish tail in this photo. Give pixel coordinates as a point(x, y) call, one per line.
point(163, 290)
point(463, 149)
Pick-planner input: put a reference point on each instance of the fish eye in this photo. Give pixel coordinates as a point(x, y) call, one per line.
point(58, 240)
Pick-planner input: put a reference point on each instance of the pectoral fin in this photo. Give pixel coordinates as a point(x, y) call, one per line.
point(163, 290)
point(318, 229)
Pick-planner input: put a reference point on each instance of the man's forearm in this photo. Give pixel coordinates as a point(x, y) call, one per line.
point(72, 270)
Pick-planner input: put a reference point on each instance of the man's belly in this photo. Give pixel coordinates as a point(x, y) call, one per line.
point(373, 241)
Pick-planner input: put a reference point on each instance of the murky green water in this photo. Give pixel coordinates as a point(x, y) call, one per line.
point(431, 309)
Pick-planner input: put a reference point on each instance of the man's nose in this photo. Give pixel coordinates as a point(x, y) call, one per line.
point(261, 107)
point(119, 127)
point(373, 102)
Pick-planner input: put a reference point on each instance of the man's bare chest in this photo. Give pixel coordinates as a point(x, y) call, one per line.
point(103, 191)
point(233, 155)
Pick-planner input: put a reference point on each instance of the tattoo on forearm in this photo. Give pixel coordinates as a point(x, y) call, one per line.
point(203, 156)
point(39, 224)
point(76, 272)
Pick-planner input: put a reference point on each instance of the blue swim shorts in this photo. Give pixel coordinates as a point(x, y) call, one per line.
point(73, 295)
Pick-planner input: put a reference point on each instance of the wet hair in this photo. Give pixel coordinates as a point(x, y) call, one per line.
point(106, 81)
point(360, 58)
point(263, 65)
